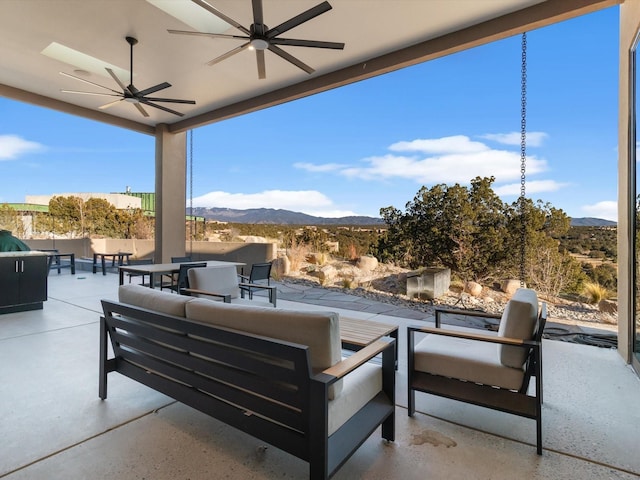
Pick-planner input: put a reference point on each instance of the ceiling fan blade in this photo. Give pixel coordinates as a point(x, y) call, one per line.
point(156, 88)
point(257, 11)
point(306, 43)
point(141, 110)
point(120, 84)
point(262, 71)
point(221, 15)
point(290, 58)
point(298, 19)
point(229, 54)
point(211, 35)
point(170, 100)
point(93, 93)
point(160, 107)
point(110, 104)
point(87, 81)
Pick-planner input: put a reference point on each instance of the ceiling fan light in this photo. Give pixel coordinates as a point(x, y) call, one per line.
point(131, 100)
point(259, 44)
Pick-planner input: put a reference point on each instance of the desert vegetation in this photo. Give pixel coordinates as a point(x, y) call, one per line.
point(468, 229)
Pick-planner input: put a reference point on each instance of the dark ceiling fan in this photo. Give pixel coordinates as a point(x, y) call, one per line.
point(130, 93)
point(260, 38)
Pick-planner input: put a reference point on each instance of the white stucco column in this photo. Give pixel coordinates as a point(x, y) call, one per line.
point(629, 27)
point(171, 162)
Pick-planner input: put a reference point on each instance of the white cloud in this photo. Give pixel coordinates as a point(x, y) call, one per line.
point(607, 209)
point(534, 139)
point(531, 186)
point(325, 167)
point(453, 144)
point(458, 167)
point(13, 146)
point(448, 160)
point(310, 202)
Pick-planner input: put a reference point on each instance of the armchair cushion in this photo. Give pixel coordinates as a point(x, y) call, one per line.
point(358, 388)
point(518, 321)
point(470, 360)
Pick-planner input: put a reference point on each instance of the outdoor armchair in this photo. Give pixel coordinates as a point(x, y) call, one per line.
point(486, 369)
point(223, 283)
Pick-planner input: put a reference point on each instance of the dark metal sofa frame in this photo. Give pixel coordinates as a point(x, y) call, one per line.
point(244, 380)
point(518, 402)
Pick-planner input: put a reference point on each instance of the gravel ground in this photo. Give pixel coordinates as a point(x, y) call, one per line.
point(387, 284)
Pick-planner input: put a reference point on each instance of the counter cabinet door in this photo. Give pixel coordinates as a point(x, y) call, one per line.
point(9, 281)
point(33, 279)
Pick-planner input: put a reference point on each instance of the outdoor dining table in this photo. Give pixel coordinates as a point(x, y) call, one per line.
point(156, 270)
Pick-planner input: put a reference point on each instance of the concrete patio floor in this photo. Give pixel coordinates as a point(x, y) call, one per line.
point(54, 426)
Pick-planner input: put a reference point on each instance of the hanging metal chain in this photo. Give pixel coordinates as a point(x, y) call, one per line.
point(191, 220)
point(523, 159)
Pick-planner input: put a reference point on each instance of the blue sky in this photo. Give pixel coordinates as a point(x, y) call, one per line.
point(359, 148)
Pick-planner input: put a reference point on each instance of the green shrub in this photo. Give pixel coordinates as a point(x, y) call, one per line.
point(347, 283)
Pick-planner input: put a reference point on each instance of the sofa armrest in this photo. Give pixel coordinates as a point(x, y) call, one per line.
point(339, 370)
point(191, 291)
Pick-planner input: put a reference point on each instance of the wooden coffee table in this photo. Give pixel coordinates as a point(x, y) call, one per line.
point(356, 334)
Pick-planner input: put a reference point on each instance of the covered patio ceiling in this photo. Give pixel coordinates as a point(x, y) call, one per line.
point(379, 36)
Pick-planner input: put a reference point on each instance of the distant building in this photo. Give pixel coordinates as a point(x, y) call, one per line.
point(119, 200)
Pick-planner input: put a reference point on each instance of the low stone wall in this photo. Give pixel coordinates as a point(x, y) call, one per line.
point(81, 247)
point(248, 253)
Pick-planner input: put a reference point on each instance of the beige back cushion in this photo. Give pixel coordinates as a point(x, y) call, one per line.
point(145, 297)
point(222, 280)
point(518, 321)
point(320, 331)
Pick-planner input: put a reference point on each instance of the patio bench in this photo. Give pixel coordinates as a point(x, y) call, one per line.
point(55, 260)
point(299, 396)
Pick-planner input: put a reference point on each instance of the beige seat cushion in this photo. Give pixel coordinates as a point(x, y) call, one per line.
point(320, 331)
point(359, 387)
point(463, 359)
point(518, 321)
point(149, 298)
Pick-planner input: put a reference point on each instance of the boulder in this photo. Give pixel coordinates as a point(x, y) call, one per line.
point(253, 239)
point(608, 306)
point(327, 274)
point(367, 263)
point(473, 288)
point(281, 266)
point(318, 258)
point(510, 286)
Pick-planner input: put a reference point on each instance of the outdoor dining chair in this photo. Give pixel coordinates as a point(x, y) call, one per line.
point(250, 283)
point(169, 280)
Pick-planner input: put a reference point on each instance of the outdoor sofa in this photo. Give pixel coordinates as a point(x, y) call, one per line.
point(275, 374)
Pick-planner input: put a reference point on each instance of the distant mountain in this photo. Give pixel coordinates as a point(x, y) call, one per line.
point(592, 222)
point(287, 217)
point(278, 217)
